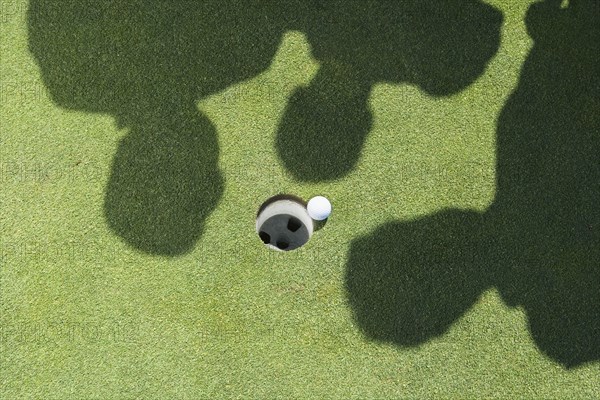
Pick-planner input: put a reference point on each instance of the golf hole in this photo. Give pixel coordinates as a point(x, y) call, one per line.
point(283, 224)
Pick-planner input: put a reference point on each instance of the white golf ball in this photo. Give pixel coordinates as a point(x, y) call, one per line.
point(319, 208)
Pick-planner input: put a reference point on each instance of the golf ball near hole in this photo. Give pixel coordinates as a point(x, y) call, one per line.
point(319, 208)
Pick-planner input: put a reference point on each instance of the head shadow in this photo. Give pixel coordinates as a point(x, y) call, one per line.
point(539, 242)
point(441, 47)
point(147, 63)
point(409, 281)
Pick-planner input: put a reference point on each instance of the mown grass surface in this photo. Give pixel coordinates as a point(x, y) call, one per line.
point(461, 259)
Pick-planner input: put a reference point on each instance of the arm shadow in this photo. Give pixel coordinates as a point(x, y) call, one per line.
point(441, 47)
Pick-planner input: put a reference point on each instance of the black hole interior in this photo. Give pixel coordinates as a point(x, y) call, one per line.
point(294, 224)
point(265, 237)
point(282, 245)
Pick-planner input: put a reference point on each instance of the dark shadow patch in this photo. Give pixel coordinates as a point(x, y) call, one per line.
point(440, 46)
point(408, 282)
point(164, 183)
point(539, 243)
point(282, 245)
point(265, 237)
point(294, 224)
point(147, 63)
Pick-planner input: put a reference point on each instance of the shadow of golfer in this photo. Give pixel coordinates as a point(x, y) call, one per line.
point(539, 243)
point(147, 63)
point(442, 47)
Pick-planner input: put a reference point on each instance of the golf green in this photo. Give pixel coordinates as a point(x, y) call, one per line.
point(458, 142)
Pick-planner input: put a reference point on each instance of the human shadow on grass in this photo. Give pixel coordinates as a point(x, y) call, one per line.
point(147, 63)
point(440, 46)
point(539, 242)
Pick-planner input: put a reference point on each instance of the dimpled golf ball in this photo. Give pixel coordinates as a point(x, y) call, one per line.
point(319, 208)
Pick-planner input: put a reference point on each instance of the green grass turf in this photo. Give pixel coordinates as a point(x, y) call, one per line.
point(96, 305)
